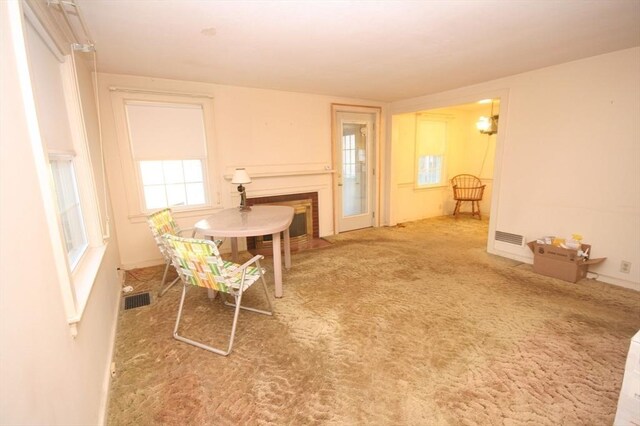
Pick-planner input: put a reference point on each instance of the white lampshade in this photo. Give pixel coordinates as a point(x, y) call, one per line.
point(240, 177)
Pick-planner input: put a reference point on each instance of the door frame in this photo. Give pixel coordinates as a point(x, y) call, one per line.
point(375, 152)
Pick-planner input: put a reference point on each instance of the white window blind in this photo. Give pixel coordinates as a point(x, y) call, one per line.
point(431, 139)
point(46, 76)
point(160, 131)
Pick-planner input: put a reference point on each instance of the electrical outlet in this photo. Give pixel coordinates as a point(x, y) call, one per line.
point(122, 275)
point(625, 267)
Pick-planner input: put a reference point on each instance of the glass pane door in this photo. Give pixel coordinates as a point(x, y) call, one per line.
point(354, 169)
point(354, 148)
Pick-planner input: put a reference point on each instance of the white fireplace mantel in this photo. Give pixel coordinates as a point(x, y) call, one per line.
point(284, 174)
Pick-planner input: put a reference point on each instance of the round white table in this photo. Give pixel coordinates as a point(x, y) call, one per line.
point(260, 220)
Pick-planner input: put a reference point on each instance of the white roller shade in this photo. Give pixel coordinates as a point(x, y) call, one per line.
point(46, 77)
point(166, 131)
point(431, 137)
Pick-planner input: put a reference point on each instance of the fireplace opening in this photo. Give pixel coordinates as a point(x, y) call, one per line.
point(304, 230)
point(301, 228)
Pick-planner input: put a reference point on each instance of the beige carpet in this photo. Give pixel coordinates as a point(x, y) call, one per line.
point(411, 325)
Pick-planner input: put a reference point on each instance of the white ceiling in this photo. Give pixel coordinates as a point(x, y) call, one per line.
point(378, 50)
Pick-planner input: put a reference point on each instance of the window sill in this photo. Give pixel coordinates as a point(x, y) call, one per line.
point(194, 212)
point(428, 187)
point(286, 174)
point(83, 279)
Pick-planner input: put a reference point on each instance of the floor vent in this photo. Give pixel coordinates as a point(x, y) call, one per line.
point(506, 237)
point(137, 301)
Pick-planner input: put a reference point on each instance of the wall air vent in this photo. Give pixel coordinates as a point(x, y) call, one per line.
point(506, 237)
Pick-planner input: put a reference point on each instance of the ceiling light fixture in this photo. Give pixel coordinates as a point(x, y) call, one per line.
point(488, 125)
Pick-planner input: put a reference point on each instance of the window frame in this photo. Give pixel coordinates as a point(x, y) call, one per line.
point(131, 173)
point(84, 274)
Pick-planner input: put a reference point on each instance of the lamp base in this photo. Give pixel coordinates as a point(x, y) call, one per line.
point(243, 199)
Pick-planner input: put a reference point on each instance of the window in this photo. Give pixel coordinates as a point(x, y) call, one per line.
point(349, 156)
point(69, 209)
point(172, 183)
point(429, 170)
point(52, 98)
point(50, 78)
point(168, 148)
point(430, 152)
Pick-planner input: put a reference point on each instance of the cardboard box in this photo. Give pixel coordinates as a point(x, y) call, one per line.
point(562, 263)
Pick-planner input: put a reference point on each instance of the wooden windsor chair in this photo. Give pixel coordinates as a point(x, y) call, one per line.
point(467, 188)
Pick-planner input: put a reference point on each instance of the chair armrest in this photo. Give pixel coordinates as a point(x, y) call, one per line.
point(245, 265)
point(248, 263)
point(241, 268)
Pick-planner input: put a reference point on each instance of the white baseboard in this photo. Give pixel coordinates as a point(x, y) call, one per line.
point(615, 281)
point(106, 387)
point(143, 264)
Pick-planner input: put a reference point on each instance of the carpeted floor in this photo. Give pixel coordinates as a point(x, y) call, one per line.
point(410, 325)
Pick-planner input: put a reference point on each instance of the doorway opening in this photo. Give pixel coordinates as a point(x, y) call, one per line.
point(431, 146)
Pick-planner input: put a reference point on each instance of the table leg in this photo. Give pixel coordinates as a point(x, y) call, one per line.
point(234, 249)
point(287, 249)
point(277, 264)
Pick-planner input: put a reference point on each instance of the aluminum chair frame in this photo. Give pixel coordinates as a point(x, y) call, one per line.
point(207, 269)
point(160, 223)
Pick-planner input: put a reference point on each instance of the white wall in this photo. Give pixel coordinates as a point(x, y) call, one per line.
point(46, 376)
point(466, 150)
point(568, 156)
point(271, 133)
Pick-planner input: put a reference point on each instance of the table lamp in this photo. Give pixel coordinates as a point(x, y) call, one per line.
point(241, 177)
